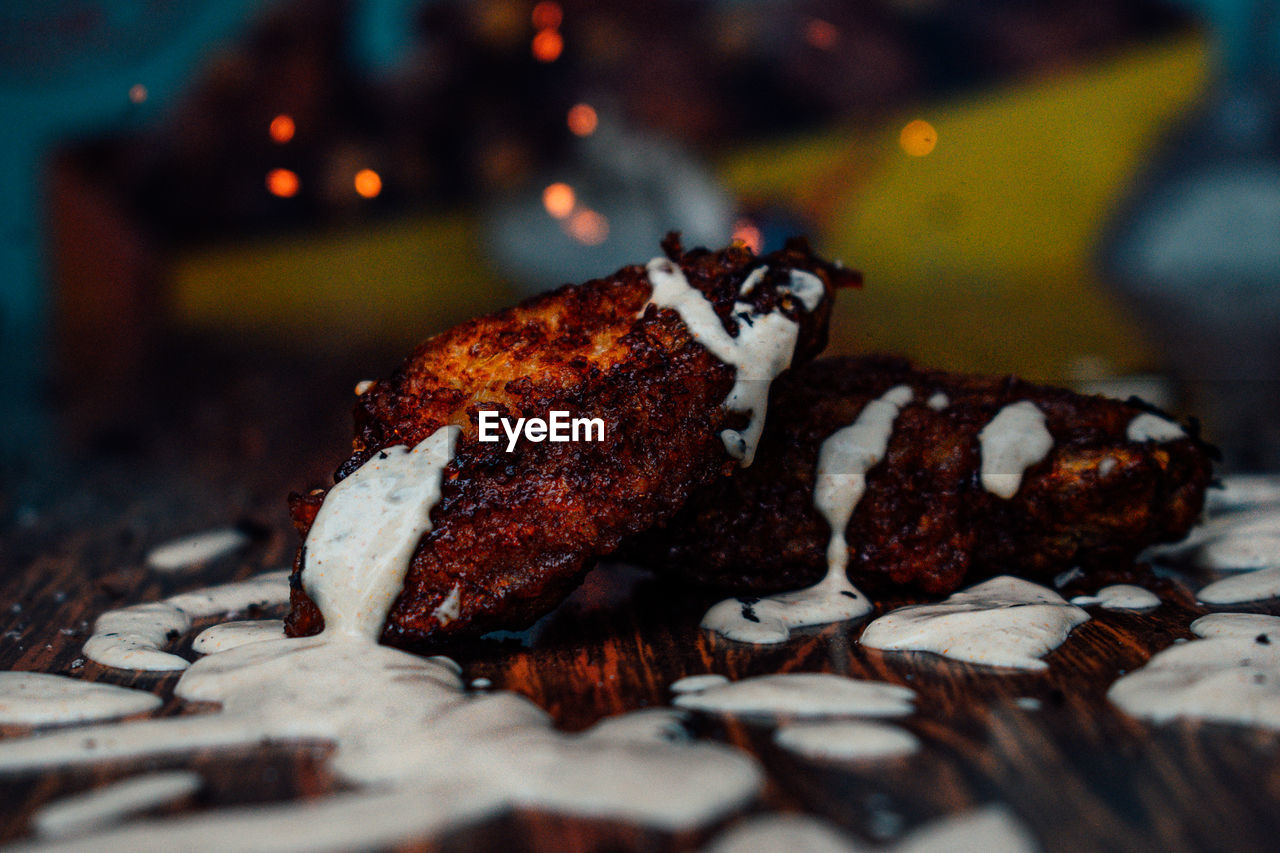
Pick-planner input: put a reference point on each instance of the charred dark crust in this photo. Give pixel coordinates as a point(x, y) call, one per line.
point(926, 524)
point(515, 532)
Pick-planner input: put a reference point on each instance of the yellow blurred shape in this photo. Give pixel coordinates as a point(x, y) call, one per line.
point(981, 255)
point(283, 183)
point(392, 284)
point(368, 183)
point(918, 138)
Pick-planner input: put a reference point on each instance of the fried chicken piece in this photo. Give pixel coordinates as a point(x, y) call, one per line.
point(515, 532)
point(926, 523)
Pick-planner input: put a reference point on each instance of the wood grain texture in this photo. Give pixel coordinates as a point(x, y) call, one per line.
point(190, 455)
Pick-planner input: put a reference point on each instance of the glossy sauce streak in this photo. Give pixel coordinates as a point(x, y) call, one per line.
point(762, 350)
point(108, 805)
point(39, 699)
point(132, 637)
point(841, 480)
point(804, 695)
point(194, 550)
point(1119, 597)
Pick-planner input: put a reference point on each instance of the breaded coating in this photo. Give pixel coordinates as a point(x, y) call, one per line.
point(925, 522)
point(515, 532)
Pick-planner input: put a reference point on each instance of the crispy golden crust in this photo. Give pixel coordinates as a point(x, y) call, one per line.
point(925, 522)
point(515, 532)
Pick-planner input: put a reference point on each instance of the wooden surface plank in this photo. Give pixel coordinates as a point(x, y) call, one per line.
point(218, 439)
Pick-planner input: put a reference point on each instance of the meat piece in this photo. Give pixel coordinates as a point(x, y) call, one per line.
point(514, 532)
point(926, 522)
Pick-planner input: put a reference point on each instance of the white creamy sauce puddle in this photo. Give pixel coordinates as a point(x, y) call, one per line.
point(1121, 596)
point(846, 740)
point(1004, 621)
point(762, 350)
point(132, 637)
point(230, 635)
point(991, 829)
point(193, 550)
point(802, 695)
point(841, 480)
point(102, 807)
point(1249, 625)
point(694, 683)
point(1014, 440)
point(938, 401)
point(421, 754)
point(40, 699)
point(1226, 677)
point(1250, 586)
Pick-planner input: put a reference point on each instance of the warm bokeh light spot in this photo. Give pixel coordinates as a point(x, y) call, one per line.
point(368, 183)
point(821, 34)
point(918, 138)
point(137, 93)
point(547, 15)
point(588, 227)
point(282, 128)
point(547, 45)
point(283, 183)
point(748, 234)
point(559, 200)
point(582, 120)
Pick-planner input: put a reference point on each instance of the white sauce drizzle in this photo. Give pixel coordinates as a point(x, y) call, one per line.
point(194, 550)
point(762, 350)
point(366, 531)
point(1004, 621)
point(846, 740)
point(1226, 678)
point(694, 683)
point(938, 401)
point(992, 829)
point(1149, 427)
point(231, 635)
point(39, 699)
point(1248, 625)
point(805, 695)
point(1250, 586)
point(806, 287)
point(843, 462)
point(108, 805)
point(1121, 596)
point(131, 638)
point(1014, 440)
point(421, 753)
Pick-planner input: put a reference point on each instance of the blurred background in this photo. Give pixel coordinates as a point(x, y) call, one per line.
point(251, 201)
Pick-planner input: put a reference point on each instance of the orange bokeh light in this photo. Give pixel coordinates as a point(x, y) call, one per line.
point(368, 183)
point(283, 183)
point(747, 233)
point(821, 34)
point(547, 45)
point(282, 128)
point(588, 227)
point(918, 138)
point(547, 15)
point(559, 200)
point(582, 120)
point(137, 93)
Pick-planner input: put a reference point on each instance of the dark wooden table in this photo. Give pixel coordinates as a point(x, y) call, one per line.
point(217, 437)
